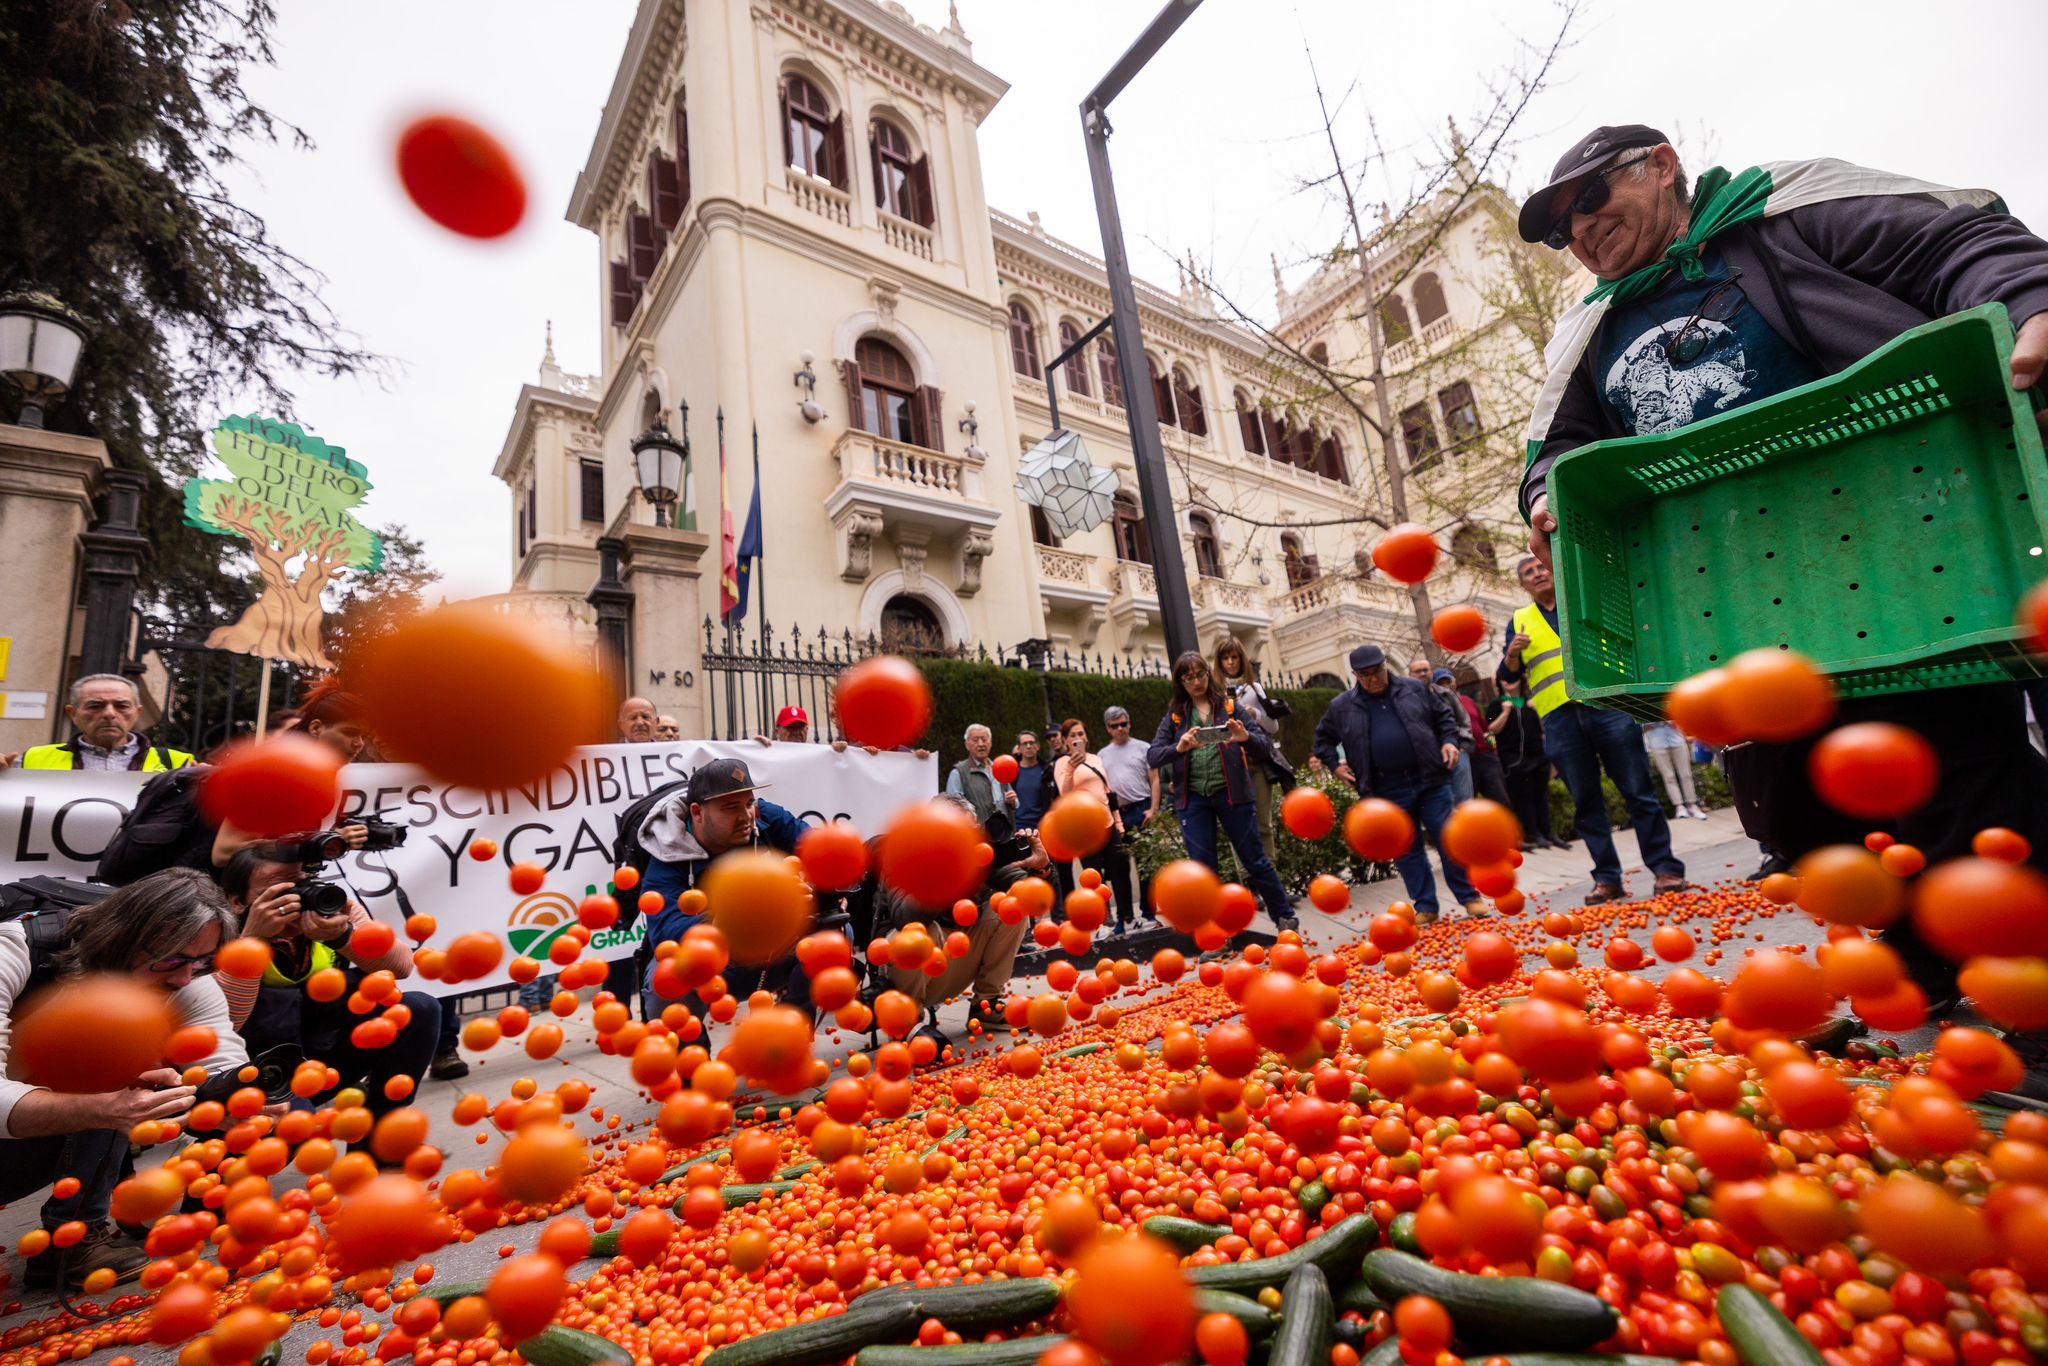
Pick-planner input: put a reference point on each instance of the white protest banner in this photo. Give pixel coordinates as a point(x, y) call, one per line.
point(56, 824)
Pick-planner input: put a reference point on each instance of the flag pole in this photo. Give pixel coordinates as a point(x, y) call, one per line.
point(760, 581)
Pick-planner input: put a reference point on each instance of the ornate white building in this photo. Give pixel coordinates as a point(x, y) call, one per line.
point(788, 201)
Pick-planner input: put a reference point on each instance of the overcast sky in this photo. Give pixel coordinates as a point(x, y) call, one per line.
point(1211, 144)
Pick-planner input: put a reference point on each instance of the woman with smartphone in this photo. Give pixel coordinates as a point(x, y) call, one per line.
point(1079, 771)
point(1208, 756)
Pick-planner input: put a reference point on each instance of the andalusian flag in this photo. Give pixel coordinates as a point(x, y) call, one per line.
point(728, 548)
point(1721, 201)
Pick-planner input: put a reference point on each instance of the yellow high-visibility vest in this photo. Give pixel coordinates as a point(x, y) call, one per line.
point(65, 757)
point(1542, 661)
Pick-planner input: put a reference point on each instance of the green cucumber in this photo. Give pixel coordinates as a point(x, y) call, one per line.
point(676, 1172)
point(1388, 1353)
point(558, 1346)
point(792, 1173)
point(823, 1341)
point(1760, 1335)
point(445, 1295)
point(1401, 1234)
point(975, 1308)
point(1014, 1352)
point(274, 1353)
point(1312, 1198)
point(604, 1244)
point(1336, 1254)
point(1357, 1298)
point(735, 1196)
point(1586, 1359)
point(1256, 1320)
point(1307, 1319)
point(1184, 1235)
point(953, 1137)
point(1494, 1313)
point(1082, 1050)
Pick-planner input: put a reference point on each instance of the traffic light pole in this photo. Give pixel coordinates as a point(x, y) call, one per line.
point(1155, 495)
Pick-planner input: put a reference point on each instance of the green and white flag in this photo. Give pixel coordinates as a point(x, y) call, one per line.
point(1720, 201)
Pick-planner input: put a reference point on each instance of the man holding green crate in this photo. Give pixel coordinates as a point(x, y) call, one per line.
point(1745, 287)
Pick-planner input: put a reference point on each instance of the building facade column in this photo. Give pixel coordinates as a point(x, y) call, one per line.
point(613, 603)
point(47, 481)
point(115, 551)
point(661, 579)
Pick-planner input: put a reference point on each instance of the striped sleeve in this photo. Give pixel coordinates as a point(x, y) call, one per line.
point(240, 993)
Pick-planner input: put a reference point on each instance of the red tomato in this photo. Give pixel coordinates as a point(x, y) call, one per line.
point(461, 177)
point(1005, 768)
point(884, 702)
point(1874, 770)
point(1308, 814)
point(288, 784)
point(1459, 628)
point(1406, 554)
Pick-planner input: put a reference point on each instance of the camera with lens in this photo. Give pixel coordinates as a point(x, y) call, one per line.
point(312, 852)
point(274, 1068)
point(382, 835)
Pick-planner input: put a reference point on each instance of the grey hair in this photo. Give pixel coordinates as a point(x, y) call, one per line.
point(78, 687)
point(1524, 563)
point(955, 799)
point(968, 734)
point(145, 921)
point(1641, 167)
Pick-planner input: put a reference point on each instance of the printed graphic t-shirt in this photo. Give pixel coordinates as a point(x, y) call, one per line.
point(1745, 359)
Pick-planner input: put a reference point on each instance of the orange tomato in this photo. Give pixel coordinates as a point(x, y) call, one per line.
point(930, 854)
point(1776, 695)
point(1377, 830)
point(1130, 1302)
point(1186, 895)
point(1458, 628)
point(1847, 885)
point(1874, 770)
point(834, 856)
point(94, 1033)
point(1406, 554)
point(885, 702)
point(1308, 813)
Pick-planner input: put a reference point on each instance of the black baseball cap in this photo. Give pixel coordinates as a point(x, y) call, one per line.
point(1584, 157)
point(721, 778)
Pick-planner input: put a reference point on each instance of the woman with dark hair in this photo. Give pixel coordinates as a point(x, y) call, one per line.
point(1234, 674)
point(1079, 771)
point(333, 717)
point(163, 932)
point(1209, 756)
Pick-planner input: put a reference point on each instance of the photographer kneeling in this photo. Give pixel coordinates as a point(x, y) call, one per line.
point(311, 926)
point(163, 931)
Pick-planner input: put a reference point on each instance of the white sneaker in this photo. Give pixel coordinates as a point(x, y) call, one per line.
point(1699, 813)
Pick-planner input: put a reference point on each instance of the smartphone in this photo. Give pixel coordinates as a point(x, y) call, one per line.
point(1212, 735)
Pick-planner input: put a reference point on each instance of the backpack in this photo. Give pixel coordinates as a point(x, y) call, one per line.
point(44, 906)
point(165, 830)
point(627, 850)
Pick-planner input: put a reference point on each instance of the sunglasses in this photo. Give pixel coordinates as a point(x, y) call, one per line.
point(1119, 725)
point(200, 965)
point(1690, 342)
point(1591, 196)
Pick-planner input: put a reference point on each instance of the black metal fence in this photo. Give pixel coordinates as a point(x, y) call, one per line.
point(751, 680)
point(213, 693)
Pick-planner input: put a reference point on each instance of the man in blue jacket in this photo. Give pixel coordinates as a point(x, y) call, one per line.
point(715, 814)
point(1400, 743)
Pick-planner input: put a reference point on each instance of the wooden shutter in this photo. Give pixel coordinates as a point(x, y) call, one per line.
point(921, 205)
point(930, 419)
point(782, 104)
point(1312, 567)
point(856, 411)
point(1162, 397)
point(1248, 429)
point(835, 151)
point(667, 193)
point(683, 152)
point(875, 168)
point(641, 247)
point(623, 294)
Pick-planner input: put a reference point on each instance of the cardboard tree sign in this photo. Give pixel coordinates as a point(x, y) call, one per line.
point(289, 496)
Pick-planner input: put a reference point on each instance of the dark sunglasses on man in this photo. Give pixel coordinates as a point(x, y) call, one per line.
point(1119, 725)
point(1591, 196)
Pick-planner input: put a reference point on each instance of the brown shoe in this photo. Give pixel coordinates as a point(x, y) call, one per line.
point(102, 1246)
point(1604, 892)
point(1671, 882)
point(1478, 910)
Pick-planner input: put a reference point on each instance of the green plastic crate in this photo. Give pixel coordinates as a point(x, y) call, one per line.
point(1884, 521)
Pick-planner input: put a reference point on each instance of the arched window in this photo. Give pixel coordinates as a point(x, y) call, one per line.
point(1394, 320)
point(1187, 403)
point(1208, 555)
point(1024, 342)
point(888, 392)
point(1112, 378)
point(813, 137)
point(1461, 412)
point(1319, 354)
point(1330, 460)
point(1132, 543)
point(903, 180)
point(910, 627)
point(1323, 680)
point(1429, 299)
point(1076, 376)
point(1162, 392)
point(1470, 544)
point(1248, 423)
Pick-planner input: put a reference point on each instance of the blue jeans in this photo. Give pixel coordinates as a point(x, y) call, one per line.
point(96, 1157)
point(1430, 807)
point(1461, 778)
point(1240, 821)
point(1581, 741)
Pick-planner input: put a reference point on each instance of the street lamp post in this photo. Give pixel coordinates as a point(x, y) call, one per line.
point(1176, 609)
point(658, 462)
point(39, 344)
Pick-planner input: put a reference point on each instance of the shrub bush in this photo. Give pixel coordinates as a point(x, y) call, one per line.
point(1708, 782)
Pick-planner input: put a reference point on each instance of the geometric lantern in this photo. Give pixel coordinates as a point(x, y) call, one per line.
point(1055, 476)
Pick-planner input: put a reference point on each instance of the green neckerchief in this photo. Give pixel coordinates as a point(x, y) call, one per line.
point(1720, 201)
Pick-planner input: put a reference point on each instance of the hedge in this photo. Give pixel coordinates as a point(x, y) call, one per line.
point(1708, 783)
point(1011, 700)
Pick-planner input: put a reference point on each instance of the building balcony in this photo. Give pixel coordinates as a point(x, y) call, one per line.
point(1070, 589)
point(1235, 606)
point(913, 497)
point(906, 236)
point(817, 196)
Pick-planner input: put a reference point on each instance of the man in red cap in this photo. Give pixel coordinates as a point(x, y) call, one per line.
point(793, 724)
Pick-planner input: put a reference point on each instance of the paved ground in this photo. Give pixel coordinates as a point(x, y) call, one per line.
point(1714, 851)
